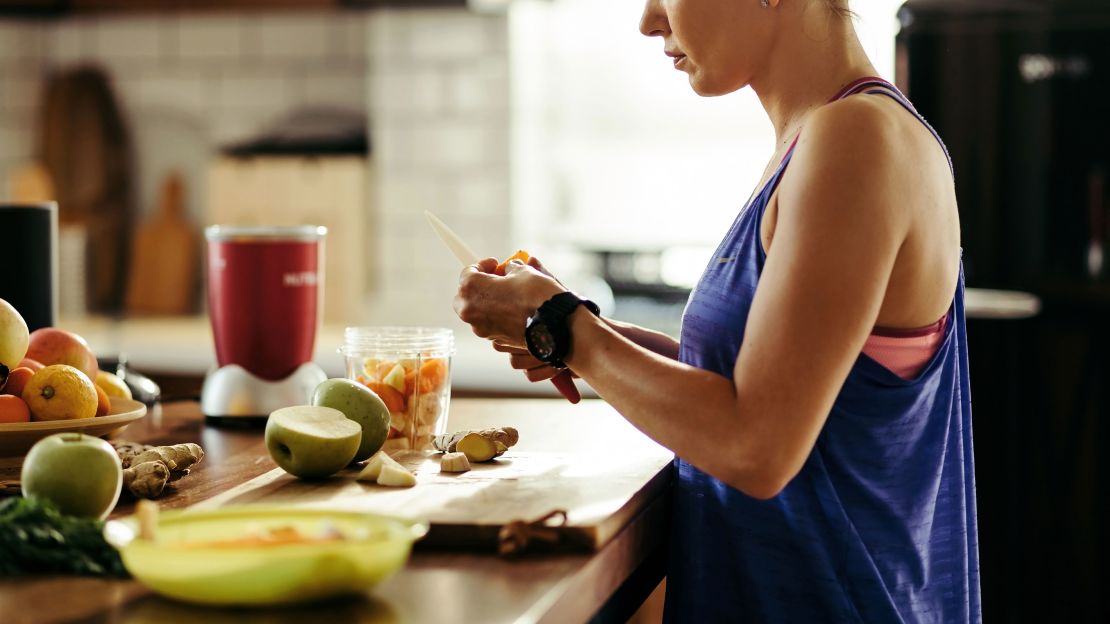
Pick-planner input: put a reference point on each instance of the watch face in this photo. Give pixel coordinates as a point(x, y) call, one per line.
point(540, 340)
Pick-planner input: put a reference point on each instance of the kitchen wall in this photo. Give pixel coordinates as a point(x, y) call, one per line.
point(439, 110)
point(434, 83)
point(21, 61)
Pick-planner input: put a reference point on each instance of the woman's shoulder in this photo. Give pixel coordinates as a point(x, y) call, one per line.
point(864, 128)
point(869, 141)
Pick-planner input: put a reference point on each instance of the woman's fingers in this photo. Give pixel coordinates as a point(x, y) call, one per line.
point(540, 373)
point(524, 361)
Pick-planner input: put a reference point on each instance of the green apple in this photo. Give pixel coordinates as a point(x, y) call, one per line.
point(13, 336)
point(361, 405)
point(80, 474)
point(311, 441)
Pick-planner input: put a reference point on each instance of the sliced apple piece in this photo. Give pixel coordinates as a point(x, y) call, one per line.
point(396, 476)
point(374, 466)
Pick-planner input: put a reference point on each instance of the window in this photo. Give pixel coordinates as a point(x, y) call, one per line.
point(613, 151)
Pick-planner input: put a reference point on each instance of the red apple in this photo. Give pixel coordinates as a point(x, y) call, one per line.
point(34, 365)
point(50, 345)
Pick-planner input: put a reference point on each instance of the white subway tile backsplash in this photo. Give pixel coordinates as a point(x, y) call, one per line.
point(15, 140)
point(449, 143)
point(243, 89)
point(211, 38)
point(390, 146)
point(188, 93)
point(349, 45)
point(69, 41)
point(405, 197)
point(479, 86)
point(20, 40)
point(117, 39)
point(447, 34)
point(388, 34)
point(20, 92)
point(407, 90)
point(345, 89)
point(481, 193)
point(226, 129)
point(296, 36)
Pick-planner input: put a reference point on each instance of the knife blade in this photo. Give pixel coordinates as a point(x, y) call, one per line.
point(461, 250)
point(563, 381)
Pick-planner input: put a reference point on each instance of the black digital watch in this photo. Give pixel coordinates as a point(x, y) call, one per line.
point(547, 332)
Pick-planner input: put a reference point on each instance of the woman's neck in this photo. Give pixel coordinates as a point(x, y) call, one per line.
point(819, 57)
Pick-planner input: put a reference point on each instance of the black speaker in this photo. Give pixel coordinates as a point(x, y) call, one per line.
point(29, 274)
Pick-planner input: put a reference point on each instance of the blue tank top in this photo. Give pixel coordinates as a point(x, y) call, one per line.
point(879, 524)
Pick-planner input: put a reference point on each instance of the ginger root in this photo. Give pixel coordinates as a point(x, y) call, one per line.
point(147, 469)
point(478, 446)
point(454, 462)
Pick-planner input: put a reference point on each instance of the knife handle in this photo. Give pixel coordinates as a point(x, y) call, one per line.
point(564, 383)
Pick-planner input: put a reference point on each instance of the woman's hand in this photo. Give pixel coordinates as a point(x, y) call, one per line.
point(497, 307)
point(522, 360)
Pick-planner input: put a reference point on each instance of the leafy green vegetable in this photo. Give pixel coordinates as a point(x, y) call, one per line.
point(35, 538)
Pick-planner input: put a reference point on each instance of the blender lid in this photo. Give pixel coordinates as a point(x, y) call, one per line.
point(265, 232)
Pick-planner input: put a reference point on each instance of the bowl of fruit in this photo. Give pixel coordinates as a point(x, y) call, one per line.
point(50, 383)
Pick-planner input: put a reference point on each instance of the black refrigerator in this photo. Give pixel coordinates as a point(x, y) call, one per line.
point(1020, 93)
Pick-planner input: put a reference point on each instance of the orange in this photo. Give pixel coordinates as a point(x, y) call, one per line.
point(521, 255)
point(103, 403)
point(13, 409)
point(17, 379)
point(60, 392)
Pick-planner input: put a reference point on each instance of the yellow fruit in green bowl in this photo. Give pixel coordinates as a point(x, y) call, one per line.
point(60, 392)
point(112, 385)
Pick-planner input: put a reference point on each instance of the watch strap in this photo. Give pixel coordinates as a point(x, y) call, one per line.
point(555, 312)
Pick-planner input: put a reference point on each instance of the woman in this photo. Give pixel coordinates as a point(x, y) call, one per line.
point(817, 400)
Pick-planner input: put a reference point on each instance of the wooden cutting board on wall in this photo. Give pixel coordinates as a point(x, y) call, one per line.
point(164, 258)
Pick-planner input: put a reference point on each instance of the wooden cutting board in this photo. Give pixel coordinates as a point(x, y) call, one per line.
point(164, 258)
point(602, 474)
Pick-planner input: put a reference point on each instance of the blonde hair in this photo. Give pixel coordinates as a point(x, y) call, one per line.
point(840, 8)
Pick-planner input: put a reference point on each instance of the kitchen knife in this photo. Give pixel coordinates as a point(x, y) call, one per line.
point(563, 381)
point(461, 250)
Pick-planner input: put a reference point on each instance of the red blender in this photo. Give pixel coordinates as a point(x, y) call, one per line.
point(265, 299)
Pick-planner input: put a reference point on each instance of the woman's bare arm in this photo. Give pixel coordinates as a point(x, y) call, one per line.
point(838, 234)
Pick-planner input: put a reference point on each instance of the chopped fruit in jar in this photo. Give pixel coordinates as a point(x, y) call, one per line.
point(383, 369)
point(370, 368)
point(394, 400)
point(395, 378)
point(432, 374)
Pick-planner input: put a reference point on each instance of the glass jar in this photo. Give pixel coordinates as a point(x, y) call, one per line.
point(410, 369)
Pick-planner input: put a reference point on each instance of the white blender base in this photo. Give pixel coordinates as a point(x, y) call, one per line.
point(231, 391)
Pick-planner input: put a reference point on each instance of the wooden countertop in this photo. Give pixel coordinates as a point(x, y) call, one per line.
point(435, 586)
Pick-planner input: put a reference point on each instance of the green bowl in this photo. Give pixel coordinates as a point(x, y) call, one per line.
point(374, 548)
